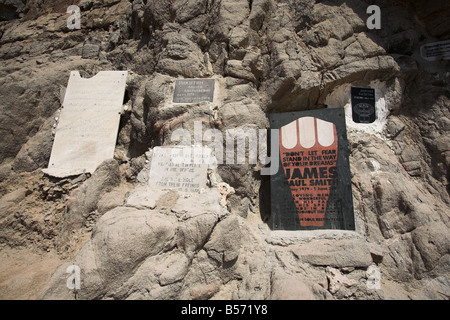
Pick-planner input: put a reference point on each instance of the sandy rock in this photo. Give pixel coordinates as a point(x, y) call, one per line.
point(292, 287)
point(35, 153)
point(225, 241)
point(119, 230)
point(144, 197)
point(11, 9)
point(104, 179)
point(338, 254)
point(337, 280)
point(194, 232)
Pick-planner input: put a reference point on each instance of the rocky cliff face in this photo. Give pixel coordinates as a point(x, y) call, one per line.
point(132, 242)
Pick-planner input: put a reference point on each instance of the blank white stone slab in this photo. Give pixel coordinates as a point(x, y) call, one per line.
point(88, 124)
point(181, 168)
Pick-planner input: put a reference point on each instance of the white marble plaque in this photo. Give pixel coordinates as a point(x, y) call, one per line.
point(88, 123)
point(181, 168)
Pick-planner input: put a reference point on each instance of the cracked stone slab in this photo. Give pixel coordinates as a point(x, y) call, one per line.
point(180, 168)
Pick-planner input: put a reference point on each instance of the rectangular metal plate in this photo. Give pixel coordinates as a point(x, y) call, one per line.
point(194, 90)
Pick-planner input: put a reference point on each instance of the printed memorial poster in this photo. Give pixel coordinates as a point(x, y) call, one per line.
point(312, 190)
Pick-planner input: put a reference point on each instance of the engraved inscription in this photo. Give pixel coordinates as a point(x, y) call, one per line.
point(178, 168)
point(193, 90)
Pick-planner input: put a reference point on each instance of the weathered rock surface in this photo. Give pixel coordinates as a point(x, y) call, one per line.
point(289, 287)
point(134, 242)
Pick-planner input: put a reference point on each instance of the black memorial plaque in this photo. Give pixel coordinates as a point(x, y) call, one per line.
point(312, 188)
point(363, 105)
point(193, 90)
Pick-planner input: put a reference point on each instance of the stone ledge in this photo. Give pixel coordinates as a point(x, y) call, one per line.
point(286, 238)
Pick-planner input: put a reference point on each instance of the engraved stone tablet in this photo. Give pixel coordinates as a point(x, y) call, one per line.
point(193, 90)
point(180, 168)
point(436, 51)
point(88, 124)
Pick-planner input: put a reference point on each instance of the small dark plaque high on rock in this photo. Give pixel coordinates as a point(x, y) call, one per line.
point(363, 105)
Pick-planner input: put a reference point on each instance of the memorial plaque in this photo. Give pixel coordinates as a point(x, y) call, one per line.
point(193, 90)
point(88, 123)
point(313, 189)
point(363, 105)
point(436, 51)
point(180, 168)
